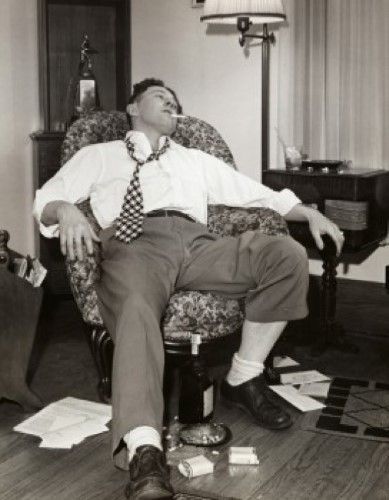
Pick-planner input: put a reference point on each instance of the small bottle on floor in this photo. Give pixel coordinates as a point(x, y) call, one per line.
point(197, 390)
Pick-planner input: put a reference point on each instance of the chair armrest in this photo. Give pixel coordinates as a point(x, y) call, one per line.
point(231, 221)
point(84, 274)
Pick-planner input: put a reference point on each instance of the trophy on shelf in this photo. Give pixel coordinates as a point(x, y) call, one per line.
point(85, 92)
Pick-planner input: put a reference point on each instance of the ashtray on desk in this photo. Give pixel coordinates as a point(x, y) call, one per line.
point(209, 434)
point(322, 165)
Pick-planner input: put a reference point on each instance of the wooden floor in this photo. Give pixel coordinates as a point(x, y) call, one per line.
point(294, 464)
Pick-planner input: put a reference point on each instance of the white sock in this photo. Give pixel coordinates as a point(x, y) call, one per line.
point(241, 370)
point(143, 435)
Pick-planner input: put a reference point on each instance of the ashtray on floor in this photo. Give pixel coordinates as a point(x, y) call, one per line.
point(205, 434)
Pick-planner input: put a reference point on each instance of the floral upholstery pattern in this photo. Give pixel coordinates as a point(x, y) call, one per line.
point(205, 313)
point(101, 126)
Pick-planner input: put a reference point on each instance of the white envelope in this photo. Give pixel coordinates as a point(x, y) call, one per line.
point(305, 377)
point(292, 395)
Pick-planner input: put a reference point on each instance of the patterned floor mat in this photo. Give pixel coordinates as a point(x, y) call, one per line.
point(354, 408)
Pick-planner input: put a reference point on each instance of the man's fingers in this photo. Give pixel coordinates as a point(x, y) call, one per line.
point(62, 240)
point(78, 244)
point(338, 237)
point(89, 237)
point(318, 240)
point(94, 236)
point(70, 243)
point(89, 243)
point(335, 234)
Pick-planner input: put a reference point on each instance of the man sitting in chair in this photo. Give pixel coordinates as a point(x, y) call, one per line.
point(150, 196)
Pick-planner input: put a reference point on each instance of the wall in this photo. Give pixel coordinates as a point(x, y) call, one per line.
point(213, 78)
point(19, 107)
point(217, 81)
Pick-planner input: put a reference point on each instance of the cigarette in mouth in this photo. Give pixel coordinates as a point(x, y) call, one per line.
point(174, 115)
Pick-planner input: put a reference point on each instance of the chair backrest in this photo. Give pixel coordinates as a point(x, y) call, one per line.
point(104, 126)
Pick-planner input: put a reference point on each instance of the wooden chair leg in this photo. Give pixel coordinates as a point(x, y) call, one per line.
point(102, 350)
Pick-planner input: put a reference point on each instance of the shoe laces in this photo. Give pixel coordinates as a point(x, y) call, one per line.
point(148, 461)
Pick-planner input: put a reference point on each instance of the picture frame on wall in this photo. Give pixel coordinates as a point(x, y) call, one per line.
point(198, 3)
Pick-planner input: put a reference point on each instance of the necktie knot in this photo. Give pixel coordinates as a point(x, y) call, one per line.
point(155, 155)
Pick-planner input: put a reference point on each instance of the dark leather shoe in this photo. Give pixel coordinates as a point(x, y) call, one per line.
point(149, 475)
point(251, 396)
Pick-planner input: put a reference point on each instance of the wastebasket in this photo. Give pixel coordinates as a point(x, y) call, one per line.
point(20, 304)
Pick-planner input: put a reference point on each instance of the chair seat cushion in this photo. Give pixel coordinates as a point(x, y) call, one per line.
point(212, 316)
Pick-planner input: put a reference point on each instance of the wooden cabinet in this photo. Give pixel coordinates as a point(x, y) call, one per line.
point(62, 26)
point(47, 153)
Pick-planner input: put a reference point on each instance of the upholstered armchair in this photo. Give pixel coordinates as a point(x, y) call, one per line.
point(216, 318)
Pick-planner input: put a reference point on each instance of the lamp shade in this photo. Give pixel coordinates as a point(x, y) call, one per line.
point(258, 11)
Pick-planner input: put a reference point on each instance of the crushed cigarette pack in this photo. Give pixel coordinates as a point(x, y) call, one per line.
point(195, 466)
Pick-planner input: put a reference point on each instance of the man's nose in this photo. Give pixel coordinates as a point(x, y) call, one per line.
point(170, 105)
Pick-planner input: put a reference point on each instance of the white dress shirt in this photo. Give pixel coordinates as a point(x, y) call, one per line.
point(182, 179)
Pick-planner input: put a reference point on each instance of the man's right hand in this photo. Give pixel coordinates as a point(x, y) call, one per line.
point(74, 229)
point(74, 232)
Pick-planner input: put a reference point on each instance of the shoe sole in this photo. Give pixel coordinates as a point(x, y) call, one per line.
point(233, 404)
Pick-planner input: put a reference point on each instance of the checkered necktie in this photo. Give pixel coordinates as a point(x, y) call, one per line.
point(129, 224)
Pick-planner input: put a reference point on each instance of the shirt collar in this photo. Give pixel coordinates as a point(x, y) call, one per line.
point(142, 145)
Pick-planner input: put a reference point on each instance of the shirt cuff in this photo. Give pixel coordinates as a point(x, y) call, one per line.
point(285, 201)
point(51, 231)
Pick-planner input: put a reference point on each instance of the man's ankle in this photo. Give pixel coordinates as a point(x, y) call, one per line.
point(140, 436)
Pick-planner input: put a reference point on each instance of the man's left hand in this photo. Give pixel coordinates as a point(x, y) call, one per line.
point(318, 225)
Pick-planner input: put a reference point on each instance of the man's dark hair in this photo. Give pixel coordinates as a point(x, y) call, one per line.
point(141, 87)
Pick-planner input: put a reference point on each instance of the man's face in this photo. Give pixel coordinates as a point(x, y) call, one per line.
point(153, 109)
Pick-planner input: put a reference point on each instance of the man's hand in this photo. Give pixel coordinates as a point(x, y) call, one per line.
point(74, 229)
point(318, 225)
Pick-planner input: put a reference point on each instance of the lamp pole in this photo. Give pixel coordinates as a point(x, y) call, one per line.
point(266, 40)
point(243, 25)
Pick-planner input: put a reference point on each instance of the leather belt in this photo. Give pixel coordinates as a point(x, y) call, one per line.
point(169, 213)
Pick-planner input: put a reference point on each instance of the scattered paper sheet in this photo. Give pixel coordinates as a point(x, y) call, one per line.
point(305, 377)
point(300, 401)
point(284, 362)
point(318, 389)
point(67, 422)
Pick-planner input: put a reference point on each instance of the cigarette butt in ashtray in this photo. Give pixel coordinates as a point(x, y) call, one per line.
point(242, 455)
point(195, 466)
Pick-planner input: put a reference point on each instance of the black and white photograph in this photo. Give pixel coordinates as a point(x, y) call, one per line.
point(194, 249)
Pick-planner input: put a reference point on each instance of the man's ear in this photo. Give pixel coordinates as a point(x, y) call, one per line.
point(132, 109)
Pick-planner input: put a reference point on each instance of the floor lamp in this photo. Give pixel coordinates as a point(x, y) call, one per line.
point(244, 14)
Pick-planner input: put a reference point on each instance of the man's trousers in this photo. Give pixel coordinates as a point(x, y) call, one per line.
point(176, 254)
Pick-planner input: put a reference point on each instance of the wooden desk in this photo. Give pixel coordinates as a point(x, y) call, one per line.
point(353, 185)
